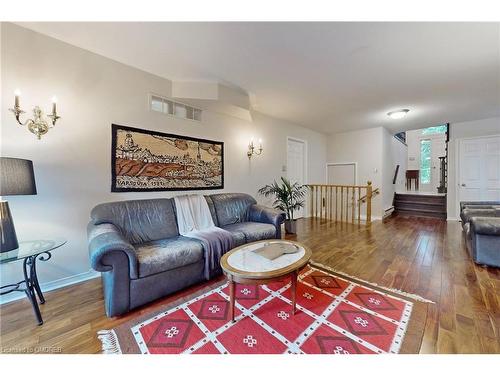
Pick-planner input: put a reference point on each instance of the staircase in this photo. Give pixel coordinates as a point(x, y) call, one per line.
point(420, 205)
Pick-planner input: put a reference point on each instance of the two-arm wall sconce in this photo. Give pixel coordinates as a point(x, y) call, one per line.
point(38, 125)
point(251, 148)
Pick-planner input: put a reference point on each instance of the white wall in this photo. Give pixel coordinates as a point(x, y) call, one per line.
point(413, 142)
point(399, 157)
point(376, 153)
point(72, 162)
point(365, 148)
point(387, 188)
point(394, 153)
point(459, 130)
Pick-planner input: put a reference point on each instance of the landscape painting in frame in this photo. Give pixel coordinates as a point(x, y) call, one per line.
point(144, 160)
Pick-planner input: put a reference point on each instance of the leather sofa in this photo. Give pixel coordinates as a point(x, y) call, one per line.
point(137, 247)
point(468, 213)
point(481, 226)
point(477, 205)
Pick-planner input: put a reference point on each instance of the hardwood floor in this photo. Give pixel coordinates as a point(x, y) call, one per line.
point(425, 256)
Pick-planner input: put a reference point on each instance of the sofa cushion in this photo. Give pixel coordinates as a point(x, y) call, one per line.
point(468, 213)
point(238, 236)
point(139, 220)
point(479, 204)
point(231, 208)
point(167, 254)
point(253, 231)
point(211, 207)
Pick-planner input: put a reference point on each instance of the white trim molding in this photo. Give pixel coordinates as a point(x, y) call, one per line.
point(305, 209)
point(355, 163)
point(53, 285)
point(456, 186)
point(306, 150)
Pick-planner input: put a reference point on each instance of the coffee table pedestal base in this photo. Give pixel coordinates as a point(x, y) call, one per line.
point(233, 281)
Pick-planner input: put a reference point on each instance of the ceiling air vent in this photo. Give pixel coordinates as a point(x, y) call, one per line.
point(169, 107)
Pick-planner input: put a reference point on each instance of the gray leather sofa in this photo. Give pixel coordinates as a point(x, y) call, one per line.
point(477, 205)
point(137, 247)
point(468, 213)
point(481, 226)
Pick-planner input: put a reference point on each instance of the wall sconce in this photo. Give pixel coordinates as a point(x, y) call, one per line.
point(251, 149)
point(38, 125)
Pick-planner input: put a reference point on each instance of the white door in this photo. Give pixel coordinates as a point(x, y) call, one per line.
point(296, 168)
point(430, 150)
point(341, 174)
point(479, 169)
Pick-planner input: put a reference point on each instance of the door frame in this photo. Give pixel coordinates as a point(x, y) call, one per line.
point(457, 167)
point(430, 137)
point(305, 209)
point(355, 163)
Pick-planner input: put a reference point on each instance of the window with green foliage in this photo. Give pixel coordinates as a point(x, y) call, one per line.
point(440, 129)
point(425, 161)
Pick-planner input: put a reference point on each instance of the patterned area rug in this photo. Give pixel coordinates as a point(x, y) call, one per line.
point(335, 315)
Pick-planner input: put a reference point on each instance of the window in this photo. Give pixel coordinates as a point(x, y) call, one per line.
point(440, 129)
point(425, 161)
point(169, 107)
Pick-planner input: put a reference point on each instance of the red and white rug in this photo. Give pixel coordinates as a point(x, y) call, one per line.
point(334, 315)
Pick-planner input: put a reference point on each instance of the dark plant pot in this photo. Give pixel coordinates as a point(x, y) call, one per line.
point(291, 226)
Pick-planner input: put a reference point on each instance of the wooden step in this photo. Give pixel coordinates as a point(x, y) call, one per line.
point(420, 209)
point(420, 197)
point(420, 205)
point(431, 203)
point(440, 215)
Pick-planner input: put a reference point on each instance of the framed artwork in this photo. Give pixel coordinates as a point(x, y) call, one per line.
point(145, 160)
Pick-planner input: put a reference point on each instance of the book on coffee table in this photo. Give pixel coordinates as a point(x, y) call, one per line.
point(272, 251)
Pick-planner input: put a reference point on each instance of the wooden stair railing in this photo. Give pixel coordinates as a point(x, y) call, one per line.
point(374, 192)
point(341, 202)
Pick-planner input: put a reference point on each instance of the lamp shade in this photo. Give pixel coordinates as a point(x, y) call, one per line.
point(16, 177)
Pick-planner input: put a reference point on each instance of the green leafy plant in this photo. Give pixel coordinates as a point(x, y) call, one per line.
point(288, 197)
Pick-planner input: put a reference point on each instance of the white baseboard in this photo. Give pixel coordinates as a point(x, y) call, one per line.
point(53, 285)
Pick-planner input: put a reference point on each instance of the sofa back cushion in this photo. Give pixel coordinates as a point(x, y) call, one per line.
point(211, 207)
point(231, 208)
point(139, 220)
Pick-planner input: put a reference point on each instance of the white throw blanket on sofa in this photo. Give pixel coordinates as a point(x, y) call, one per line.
point(194, 220)
point(193, 214)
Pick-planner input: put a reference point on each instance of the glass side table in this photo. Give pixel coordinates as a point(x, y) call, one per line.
point(29, 252)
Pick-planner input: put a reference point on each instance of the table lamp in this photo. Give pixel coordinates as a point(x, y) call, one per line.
point(16, 178)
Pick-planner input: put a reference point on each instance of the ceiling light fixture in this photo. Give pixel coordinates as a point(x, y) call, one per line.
point(400, 113)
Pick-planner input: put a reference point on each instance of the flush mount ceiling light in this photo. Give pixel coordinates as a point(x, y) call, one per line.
point(400, 113)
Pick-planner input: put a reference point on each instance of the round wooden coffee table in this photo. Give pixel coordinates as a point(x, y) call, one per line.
point(244, 265)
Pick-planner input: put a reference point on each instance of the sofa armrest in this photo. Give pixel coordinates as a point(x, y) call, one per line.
point(485, 225)
point(263, 214)
point(106, 240)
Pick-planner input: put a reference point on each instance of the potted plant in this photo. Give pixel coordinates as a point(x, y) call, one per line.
point(288, 198)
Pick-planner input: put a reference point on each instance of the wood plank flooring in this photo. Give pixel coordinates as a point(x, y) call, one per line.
point(425, 256)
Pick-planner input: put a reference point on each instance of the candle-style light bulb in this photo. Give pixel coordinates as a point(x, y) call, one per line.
point(54, 103)
point(17, 94)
